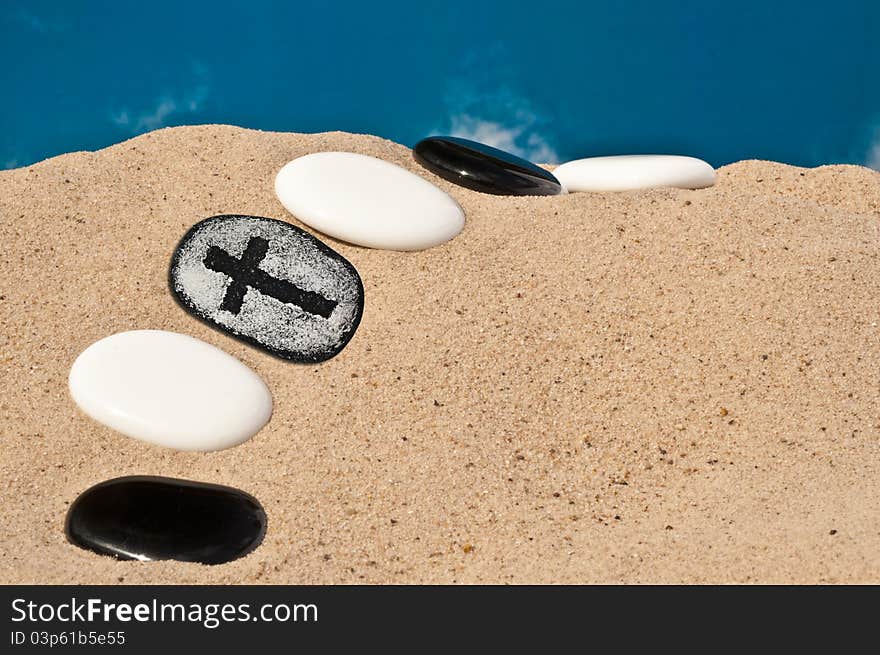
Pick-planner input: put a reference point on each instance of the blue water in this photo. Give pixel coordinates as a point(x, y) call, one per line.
point(791, 81)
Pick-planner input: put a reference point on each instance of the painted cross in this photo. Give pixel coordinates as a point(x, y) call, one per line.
point(244, 273)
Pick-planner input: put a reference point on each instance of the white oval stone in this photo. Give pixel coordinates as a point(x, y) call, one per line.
point(629, 172)
point(367, 201)
point(170, 389)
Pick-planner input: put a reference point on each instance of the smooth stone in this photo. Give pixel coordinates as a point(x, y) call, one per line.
point(270, 284)
point(483, 168)
point(629, 172)
point(367, 201)
point(170, 390)
point(152, 518)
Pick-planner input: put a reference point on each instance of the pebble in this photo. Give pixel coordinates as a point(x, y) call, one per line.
point(153, 518)
point(630, 172)
point(367, 201)
point(483, 168)
point(269, 284)
point(170, 389)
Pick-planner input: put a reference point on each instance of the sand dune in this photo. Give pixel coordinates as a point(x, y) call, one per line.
point(663, 386)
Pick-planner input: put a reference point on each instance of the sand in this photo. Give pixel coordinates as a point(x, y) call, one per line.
point(662, 386)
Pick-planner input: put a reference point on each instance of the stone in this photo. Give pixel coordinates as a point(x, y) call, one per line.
point(152, 518)
point(367, 201)
point(630, 172)
point(170, 389)
point(483, 168)
point(269, 284)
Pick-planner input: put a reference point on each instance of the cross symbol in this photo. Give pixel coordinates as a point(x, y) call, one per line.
point(244, 273)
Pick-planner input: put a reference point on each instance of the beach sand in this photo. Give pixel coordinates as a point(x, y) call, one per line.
point(662, 386)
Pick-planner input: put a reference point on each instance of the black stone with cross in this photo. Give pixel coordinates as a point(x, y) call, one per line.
point(284, 291)
point(245, 272)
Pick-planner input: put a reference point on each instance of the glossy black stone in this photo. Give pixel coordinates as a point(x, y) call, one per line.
point(483, 168)
point(153, 518)
point(268, 283)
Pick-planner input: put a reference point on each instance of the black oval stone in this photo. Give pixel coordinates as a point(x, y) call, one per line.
point(268, 283)
point(154, 518)
point(483, 168)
